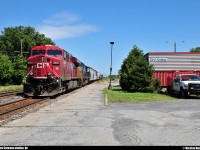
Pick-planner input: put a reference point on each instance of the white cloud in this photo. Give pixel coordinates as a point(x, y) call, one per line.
point(61, 19)
point(65, 25)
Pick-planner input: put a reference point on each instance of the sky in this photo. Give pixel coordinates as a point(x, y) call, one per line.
point(85, 28)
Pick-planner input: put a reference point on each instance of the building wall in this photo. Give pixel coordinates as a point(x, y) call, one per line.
point(169, 64)
point(171, 61)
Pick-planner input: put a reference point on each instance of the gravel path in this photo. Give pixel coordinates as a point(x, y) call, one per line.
point(10, 99)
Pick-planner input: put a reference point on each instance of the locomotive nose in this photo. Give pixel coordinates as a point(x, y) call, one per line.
point(41, 69)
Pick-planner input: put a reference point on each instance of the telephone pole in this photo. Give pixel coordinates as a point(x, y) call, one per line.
point(21, 47)
point(174, 45)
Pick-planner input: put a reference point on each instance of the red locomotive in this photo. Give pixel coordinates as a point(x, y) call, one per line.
point(52, 70)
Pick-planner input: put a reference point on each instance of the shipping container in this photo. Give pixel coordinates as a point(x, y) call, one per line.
point(169, 64)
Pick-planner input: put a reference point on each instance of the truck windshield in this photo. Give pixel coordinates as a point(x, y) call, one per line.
point(190, 77)
point(38, 52)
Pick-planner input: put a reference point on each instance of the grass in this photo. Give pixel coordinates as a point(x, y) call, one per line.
point(11, 88)
point(118, 95)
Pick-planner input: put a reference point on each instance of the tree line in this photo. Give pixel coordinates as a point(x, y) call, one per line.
point(15, 45)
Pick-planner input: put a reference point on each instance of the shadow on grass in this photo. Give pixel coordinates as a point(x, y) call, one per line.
point(118, 88)
point(177, 96)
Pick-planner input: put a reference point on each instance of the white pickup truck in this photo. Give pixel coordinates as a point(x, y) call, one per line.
point(186, 84)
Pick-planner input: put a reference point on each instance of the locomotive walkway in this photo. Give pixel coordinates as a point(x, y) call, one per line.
point(82, 119)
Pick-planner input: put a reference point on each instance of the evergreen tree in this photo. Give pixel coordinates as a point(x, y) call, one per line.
point(136, 72)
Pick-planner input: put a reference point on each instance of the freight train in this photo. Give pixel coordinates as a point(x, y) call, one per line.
point(52, 70)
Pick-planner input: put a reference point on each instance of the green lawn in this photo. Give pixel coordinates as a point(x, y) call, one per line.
point(11, 88)
point(117, 95)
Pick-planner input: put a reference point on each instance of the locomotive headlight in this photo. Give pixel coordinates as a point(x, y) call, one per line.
point(49, 74)
point(42, 59)
point(56, 79)
point(31, 73)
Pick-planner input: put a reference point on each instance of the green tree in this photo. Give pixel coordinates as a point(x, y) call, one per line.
point(6, 70)
point(136, 72)
point(19, 66)
point(15, 38)
point(197, 49)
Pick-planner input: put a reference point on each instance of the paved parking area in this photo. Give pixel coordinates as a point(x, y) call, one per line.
point(82, 119)
point(157, 123)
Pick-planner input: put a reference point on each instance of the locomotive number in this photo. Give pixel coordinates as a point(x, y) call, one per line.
point(42, 65)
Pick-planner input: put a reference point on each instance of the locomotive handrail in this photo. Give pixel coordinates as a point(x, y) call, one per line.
point(29, 72)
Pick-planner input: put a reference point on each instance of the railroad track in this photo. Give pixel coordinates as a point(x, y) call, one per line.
point(9, 109)
point(10, 93)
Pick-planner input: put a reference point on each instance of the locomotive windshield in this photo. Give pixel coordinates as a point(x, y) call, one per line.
point(38, 52)
point(54, 52)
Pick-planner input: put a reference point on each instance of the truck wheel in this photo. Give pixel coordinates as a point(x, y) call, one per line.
point(183, 94)
point(169, 90)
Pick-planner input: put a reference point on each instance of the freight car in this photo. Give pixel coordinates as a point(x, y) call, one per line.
point(52, 70)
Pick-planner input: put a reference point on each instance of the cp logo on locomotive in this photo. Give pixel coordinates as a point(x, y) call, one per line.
point(42, 65)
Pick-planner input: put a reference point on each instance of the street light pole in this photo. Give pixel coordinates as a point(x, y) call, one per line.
point(110, 86)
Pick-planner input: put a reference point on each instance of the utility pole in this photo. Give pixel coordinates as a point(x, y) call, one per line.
point(175, 47)
point(21, 47)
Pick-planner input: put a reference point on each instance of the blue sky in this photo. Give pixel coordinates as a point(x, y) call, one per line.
point(85, 28)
